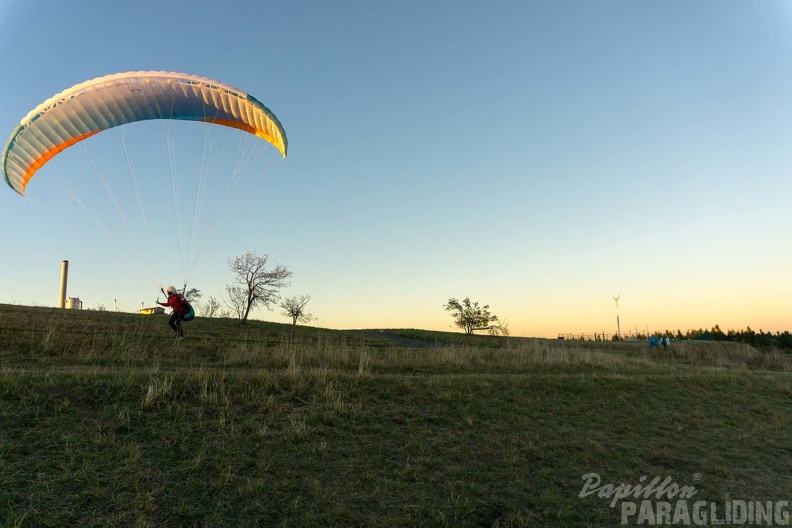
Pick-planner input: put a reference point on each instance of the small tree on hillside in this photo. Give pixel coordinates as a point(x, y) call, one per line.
point(500, 329)
point(295, 307)
point(193, 295)
point(471, 317)
point(211, 308)
point(236, 300)
point(254, 285)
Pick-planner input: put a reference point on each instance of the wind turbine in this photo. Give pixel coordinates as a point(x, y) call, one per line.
point(618, 326)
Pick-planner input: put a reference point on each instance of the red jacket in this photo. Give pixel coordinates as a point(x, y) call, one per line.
point(177, 302)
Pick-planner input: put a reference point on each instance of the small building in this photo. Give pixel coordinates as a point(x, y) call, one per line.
point(151, 311)
point(73, 303)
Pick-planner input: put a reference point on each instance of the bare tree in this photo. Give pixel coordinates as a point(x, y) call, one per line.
point(211, 308)
point(254, 284)
point(236, 301)
point(294, 307)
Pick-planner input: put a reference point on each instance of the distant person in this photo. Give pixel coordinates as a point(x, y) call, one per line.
point(181, 310)
point(665, 341)
point(653, 343)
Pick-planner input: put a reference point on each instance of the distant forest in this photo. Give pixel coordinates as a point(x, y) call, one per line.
point(758, 339)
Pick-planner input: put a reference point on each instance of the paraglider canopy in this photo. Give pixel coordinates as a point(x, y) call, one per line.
point(91, 107)
point(105, 102)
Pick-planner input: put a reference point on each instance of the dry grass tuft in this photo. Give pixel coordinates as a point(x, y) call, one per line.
point(157, 392)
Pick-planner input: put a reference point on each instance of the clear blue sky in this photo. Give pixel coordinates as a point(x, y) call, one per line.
point(538, 157)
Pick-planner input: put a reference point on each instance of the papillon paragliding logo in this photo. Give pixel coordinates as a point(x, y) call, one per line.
point(94, 106)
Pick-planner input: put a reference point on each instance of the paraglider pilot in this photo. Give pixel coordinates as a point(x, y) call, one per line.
point(178, 303)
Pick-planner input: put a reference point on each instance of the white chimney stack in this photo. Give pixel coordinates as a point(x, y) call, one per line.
point(64, 277)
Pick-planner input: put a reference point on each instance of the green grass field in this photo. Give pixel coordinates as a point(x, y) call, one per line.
point(105, 420)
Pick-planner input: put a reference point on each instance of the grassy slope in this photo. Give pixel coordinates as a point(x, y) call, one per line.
point(104, 420)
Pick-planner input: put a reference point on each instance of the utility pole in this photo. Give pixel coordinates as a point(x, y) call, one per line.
point(618, 326)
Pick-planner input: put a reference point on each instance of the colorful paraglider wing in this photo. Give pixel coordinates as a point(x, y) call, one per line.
point(105, 102)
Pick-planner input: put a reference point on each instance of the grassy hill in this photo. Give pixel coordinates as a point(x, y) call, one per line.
point(105, 420)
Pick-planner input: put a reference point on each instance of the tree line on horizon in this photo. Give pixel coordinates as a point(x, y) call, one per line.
point(748, 336)
point(760, 339)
